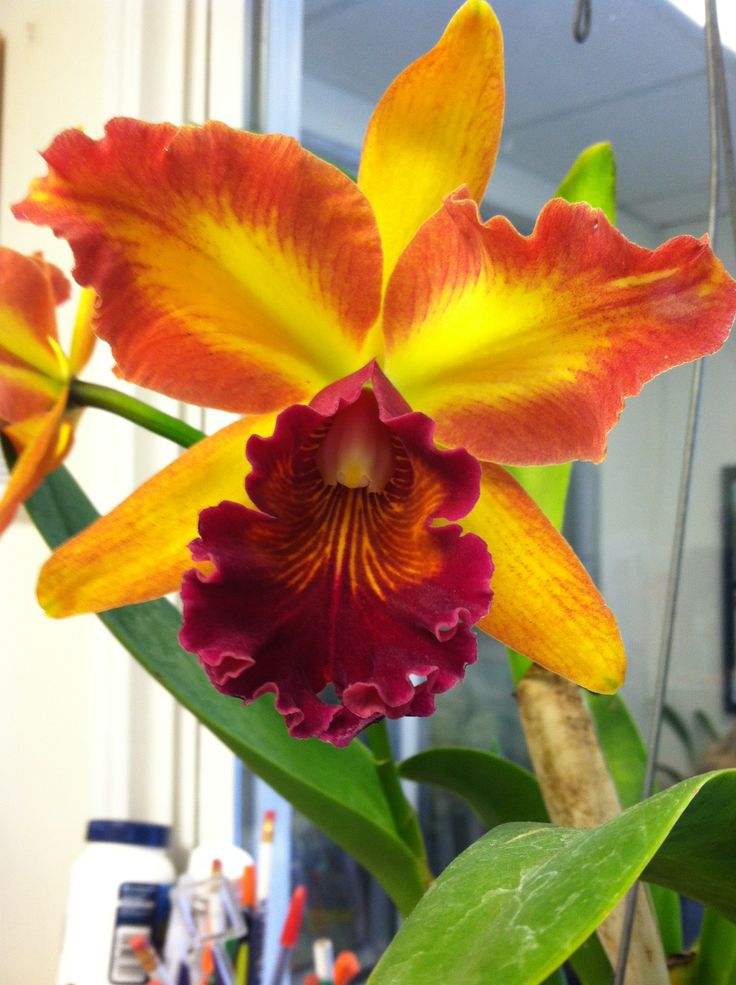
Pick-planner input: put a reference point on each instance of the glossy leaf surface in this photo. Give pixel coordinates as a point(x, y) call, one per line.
point(520, 900)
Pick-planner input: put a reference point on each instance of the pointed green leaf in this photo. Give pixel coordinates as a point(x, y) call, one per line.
point(309, 773)
point(592, 179)
point(671, 717)
point(498, 790)
point(622, 745)
point(520, 900)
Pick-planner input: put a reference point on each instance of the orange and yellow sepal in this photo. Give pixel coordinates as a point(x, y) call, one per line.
point(138, 551)
point(524, 348)
point(546, 605)
point(35, 375)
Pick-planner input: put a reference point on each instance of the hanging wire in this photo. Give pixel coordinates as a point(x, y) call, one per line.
point(581, 24)
point(717, 114)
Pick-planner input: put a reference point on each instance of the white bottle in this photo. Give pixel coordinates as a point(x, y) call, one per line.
point(118, 889)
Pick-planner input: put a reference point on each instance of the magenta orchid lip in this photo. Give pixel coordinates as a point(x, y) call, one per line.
point(341, 583)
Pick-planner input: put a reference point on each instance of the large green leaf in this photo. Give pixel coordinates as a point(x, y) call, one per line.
point(337, 789)
point(626, 755)
point(520, 900)
point(498, 790)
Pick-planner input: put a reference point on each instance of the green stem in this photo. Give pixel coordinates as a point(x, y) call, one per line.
point(104, 397)
point(404, 815)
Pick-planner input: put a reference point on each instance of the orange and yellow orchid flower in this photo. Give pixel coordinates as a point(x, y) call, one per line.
point(35, 375)
point(238, 271)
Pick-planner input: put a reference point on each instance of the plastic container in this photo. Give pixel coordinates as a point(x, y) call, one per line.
point(118, 888)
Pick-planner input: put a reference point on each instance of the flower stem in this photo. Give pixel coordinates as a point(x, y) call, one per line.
point(105, 398)
point(404, 815)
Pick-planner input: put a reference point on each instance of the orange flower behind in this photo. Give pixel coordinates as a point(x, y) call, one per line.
point(34, 373)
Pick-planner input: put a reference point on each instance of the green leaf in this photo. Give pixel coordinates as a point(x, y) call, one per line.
point(592, 179)
point(498, 790)
point(706, 724)
point(309, 773)
point(626, 757)
point(699, 857)
point(590, 963)
point(622, 745)
point(716, 960)
point(520, 900)
point(666, 905)
point(677, 723)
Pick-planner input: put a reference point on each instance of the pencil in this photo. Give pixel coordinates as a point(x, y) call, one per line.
point(149, 959)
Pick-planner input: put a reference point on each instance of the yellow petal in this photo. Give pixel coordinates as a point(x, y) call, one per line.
point(139, 551)
point(545, 605)
point(43, 441)
point(437, 126)
point(83, 337)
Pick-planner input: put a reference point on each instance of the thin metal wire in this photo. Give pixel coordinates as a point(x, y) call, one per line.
point(582, 22)
point(724, 118)
point(713, 48)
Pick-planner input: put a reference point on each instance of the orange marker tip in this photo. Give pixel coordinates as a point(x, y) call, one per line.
point(248, 886)
point(139, 943)
point(347, 967)
point(293, 922)
point(208, 961)
point(216, 866)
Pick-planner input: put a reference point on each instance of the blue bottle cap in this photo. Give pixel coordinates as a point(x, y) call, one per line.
point(129, 833)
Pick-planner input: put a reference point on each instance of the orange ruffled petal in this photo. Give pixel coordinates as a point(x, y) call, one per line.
point(234, 270)
point(139, 550)
point(545, 605)
point(523, 349)
point(436, 127)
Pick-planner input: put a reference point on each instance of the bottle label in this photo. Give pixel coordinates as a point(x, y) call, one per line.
point(141, 909)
